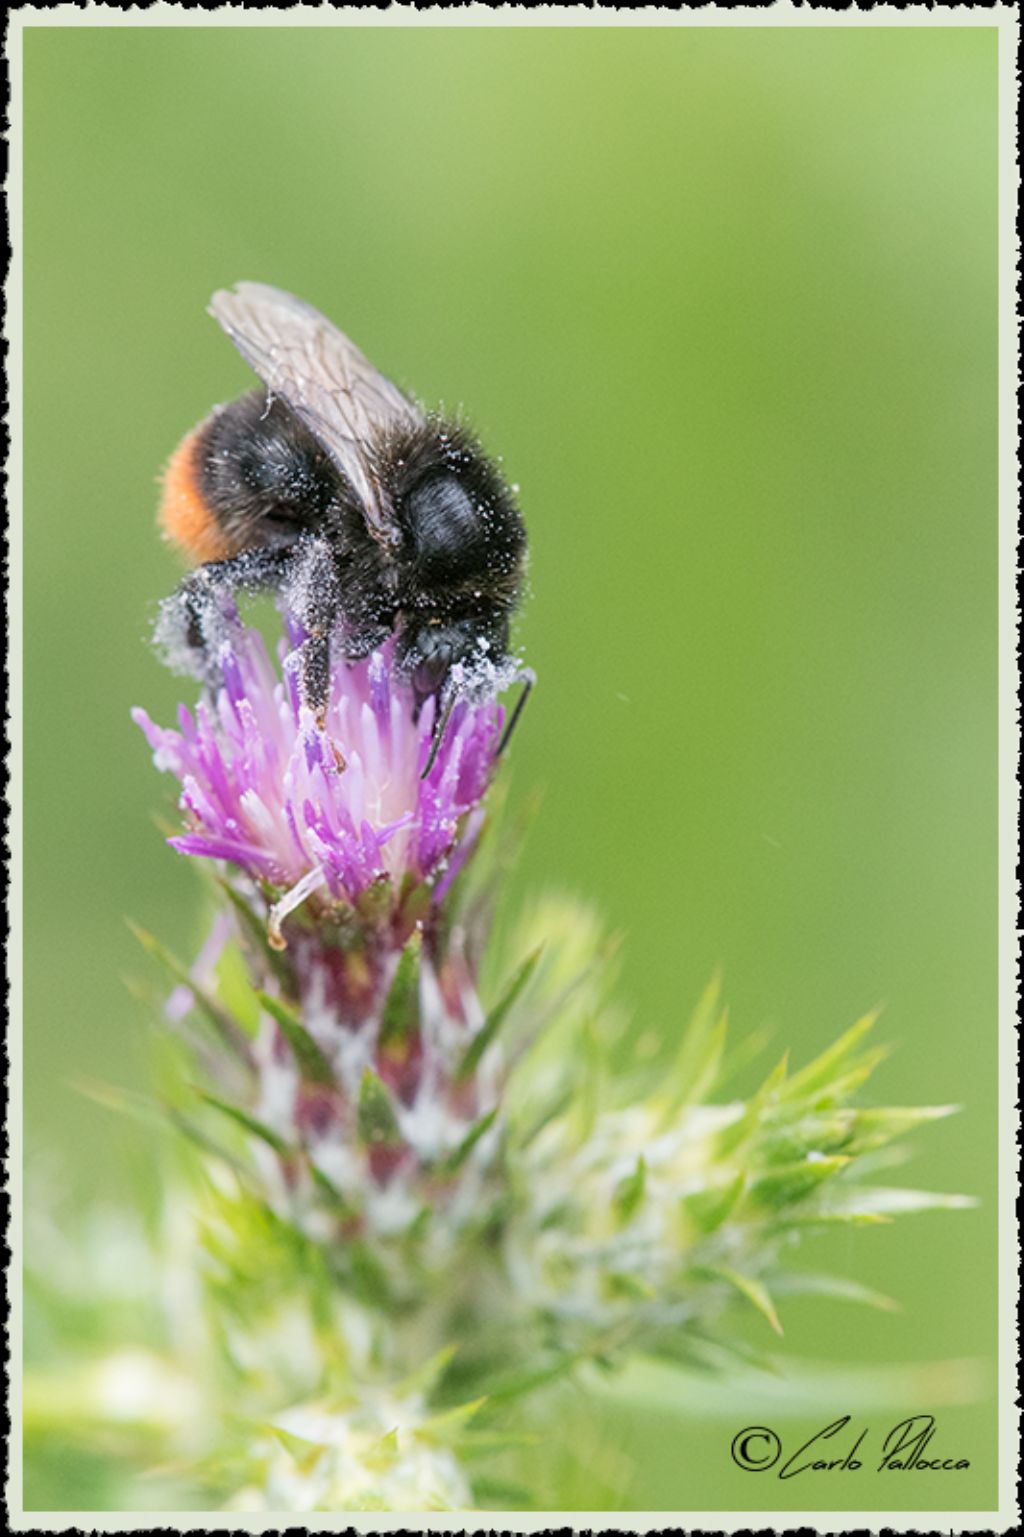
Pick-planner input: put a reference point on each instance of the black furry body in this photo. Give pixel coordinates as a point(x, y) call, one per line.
point(446, 578)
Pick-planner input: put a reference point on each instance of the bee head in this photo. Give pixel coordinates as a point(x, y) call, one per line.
point(428, 651)
point(446, 660)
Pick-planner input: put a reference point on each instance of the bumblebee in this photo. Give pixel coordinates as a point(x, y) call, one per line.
point(365, 514)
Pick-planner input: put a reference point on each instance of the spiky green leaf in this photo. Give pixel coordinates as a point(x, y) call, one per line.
point(629, 1286)
point(496, 1018)
point(787, 1183)
point(629, 1195)
point(873, 1129)
point(832, 1062)
point(803, 1283)
point(304, 1453)
point(699, 1055)
point(247, 1122)
point(708, 1209)
point(336, 1202)
point(752, 1116)
point(309, 1059)
point(422, 1380)
point(884, 1202)
point(384, 1454)
point(400, 1016)
point(445, 1427)
point(752, 1289)
point(455, 1160)
point(227, 1029)
point(129, 1102)
point(377, 1121)
point(254, 928)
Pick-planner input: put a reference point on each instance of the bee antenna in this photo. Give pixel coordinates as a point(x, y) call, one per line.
point(441, 720)
point(527, 678)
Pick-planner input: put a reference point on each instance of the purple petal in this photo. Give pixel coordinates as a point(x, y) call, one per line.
point(270, 795)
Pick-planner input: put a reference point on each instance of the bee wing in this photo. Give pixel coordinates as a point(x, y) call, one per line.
point(323, 377)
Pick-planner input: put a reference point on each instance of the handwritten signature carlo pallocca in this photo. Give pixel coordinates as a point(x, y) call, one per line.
point(906, 1446)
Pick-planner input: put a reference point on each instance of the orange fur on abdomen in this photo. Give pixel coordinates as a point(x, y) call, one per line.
point(184, 516)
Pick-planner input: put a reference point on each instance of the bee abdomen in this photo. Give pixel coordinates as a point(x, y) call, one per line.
point(250, 475)
point(186, 517)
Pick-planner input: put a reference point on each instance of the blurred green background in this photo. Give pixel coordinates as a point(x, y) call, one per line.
point(724, 300)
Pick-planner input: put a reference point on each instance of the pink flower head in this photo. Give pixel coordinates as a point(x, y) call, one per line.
point(302, 808)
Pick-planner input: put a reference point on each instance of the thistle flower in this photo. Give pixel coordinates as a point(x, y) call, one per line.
point(331, 811)
point(414, 1209)
point(367, 1092)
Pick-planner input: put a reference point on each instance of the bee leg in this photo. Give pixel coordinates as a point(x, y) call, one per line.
point(527, 678)
point(315, 686)
point(315, 674)
point(443, 710)
point(312, 595)
point(195, 620)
